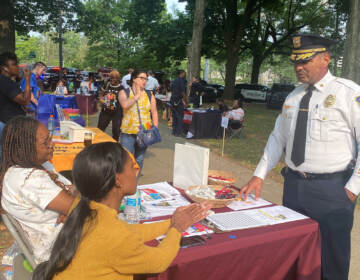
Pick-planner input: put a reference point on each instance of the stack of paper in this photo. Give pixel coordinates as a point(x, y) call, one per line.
point(160, 199)
point(236, 220)
point(250, 202)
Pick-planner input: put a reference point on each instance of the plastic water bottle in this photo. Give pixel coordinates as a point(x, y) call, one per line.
point(51, 124)
point(9, 274)
point(132, 208)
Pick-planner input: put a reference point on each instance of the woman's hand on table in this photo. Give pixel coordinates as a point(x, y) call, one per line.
point(186, 216)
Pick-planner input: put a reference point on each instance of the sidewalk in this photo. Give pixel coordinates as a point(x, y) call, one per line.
point(158, 166)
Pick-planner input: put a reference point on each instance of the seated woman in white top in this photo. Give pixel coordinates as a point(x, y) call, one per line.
point(237, 113)
point(36, 197)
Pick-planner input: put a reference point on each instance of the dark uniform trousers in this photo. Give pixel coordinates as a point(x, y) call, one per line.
point(178, 118)
point(107, 116)
point(325, 200)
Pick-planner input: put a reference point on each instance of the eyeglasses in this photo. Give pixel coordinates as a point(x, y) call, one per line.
point(142, 78)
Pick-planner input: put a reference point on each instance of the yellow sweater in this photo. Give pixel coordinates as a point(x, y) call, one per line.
point(114, 250)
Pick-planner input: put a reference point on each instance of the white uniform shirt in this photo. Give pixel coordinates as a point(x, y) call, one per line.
point(333, 130)
point(26, 200)
point(236, 114)
point(151, 83)
point(124, 79)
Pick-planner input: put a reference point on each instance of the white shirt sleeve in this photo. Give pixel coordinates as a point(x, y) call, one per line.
point(353, 184)
point(124, 79)
point(39, 189)
point(273, 150)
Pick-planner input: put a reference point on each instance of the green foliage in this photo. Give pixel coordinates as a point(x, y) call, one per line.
point(42, 15)
point(46, 50)
point(162, 35)
point(141, 32)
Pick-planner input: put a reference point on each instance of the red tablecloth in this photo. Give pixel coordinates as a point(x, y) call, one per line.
point(86, 101)
point(285, 251)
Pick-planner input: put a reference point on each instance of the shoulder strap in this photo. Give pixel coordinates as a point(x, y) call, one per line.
point(127, 91)
point(149, 94)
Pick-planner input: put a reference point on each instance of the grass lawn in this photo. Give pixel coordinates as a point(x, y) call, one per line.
point(248, 149)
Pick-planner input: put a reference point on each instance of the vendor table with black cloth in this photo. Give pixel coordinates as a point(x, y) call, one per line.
point(206, 124)
point(289, 251)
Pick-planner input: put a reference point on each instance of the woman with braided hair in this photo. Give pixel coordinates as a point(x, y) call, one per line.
point(35, 196)
point(93, 243)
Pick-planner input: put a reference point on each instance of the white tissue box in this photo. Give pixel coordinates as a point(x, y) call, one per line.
point(73, 131)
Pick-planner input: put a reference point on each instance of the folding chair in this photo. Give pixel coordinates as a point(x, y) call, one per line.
point(21, 240)
point(235, 128)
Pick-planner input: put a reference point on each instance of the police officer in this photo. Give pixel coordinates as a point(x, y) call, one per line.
point(178, 100)
point(319, 130)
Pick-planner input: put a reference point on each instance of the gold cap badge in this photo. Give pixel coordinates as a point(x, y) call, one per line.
point(297, 42)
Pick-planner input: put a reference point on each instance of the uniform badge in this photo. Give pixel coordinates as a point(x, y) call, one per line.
point(330, 101)
point(297, 42)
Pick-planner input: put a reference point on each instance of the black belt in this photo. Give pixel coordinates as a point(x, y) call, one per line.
point(311, 176)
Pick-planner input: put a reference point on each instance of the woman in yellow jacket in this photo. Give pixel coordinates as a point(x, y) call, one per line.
point(94, 243)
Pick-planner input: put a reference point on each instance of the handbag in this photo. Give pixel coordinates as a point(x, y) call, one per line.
point(145, 138)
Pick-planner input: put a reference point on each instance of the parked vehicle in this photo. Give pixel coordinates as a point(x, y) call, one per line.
point(210, 93)
point(51, 76)
point(278, 94)
point(219, 89)
point(249, 92)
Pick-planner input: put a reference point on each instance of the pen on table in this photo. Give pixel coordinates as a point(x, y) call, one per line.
point(267, 214)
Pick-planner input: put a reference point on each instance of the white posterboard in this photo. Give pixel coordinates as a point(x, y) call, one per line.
point(191, 166)
point(224, 122)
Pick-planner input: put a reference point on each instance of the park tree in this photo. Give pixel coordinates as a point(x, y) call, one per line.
point(273, 25)
point(338, 17)
point(127, 33)
point(351, 64)
point(195, 46)
point(163, 36)
point(227, 22)
point(33, 15)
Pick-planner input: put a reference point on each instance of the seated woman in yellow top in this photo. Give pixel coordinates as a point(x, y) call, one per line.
point(93, 243)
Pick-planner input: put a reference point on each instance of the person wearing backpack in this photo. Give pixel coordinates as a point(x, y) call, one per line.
point(137, 103)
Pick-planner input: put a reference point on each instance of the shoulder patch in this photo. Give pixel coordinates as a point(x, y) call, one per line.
point(357, 99)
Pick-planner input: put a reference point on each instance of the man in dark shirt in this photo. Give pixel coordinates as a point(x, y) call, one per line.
point(196, 90)
point(78, 79)
point(12, 99)
point(178, 99)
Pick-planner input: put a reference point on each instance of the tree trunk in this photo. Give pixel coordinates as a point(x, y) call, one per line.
point(337, 22)
point(60, 41)
point(351, 66)
point(189, 73)
point(255, 70)
point(198, 27)
point(7, 26)
point(232, 59)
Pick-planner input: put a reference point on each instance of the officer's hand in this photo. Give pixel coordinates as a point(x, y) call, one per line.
point(350, 195)
point(254, 184)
